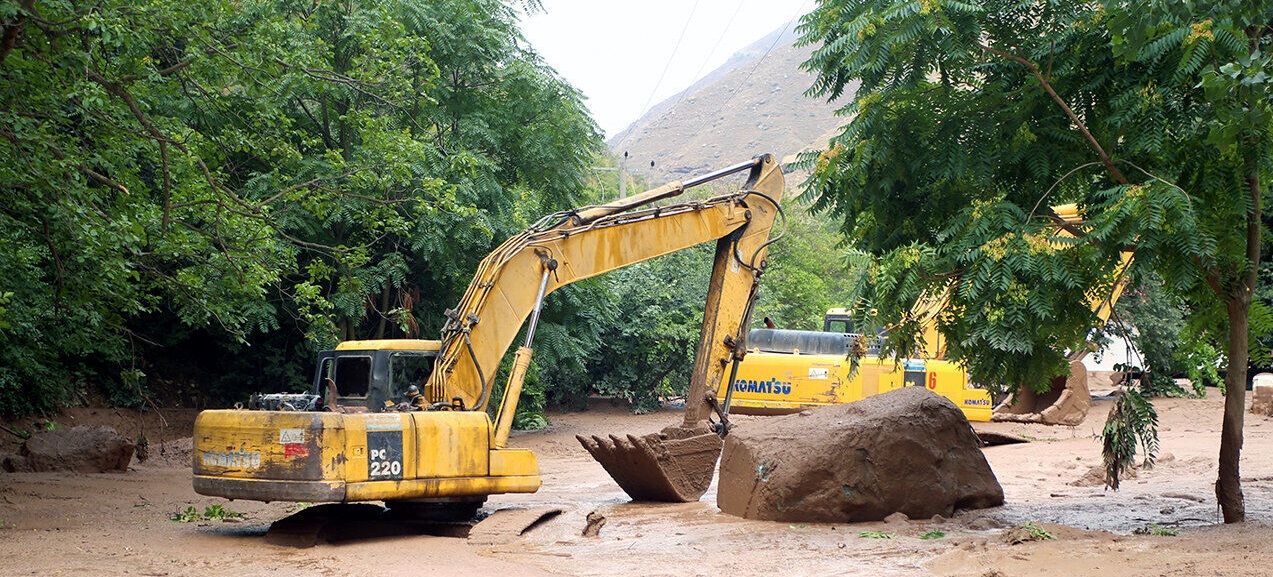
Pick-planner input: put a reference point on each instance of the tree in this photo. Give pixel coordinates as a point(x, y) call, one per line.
point(114, 207)
point(973, 117)
point(195, 177)
point(1169, 345)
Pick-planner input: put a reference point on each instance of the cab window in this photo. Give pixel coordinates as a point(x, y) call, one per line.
point(352, 376)
point(406, 369)
point(838, 325)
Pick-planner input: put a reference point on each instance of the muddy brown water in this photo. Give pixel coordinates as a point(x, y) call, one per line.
point(117, 524)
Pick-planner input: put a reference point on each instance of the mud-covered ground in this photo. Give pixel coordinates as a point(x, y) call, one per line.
point(118, 524)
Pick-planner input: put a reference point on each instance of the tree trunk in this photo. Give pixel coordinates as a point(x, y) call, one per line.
point(384, 308)
point(1229, 482)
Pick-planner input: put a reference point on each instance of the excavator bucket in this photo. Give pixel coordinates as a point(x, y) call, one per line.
point(1065, 403)
point(658, 467)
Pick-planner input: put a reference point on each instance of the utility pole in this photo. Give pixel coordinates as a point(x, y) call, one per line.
point(623, 175)
point(622, 171)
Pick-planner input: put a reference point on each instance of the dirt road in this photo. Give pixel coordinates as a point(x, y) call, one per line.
point(118, 524)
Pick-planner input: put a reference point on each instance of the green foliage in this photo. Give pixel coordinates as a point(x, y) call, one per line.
point(571, 331)
point(806, 274)
point(1170, 344)
point(214, 512)
point(1027, 533)
point(198, 197)
point(647, 350)
point(195, 177)
point(970, 118)
point(1130, 429)
point(930, 535)
point(876, 535)
point(1157, 530)
point(187, 515)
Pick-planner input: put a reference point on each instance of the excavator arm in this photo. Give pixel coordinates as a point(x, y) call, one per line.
point(1067, 399)
point(567, 247)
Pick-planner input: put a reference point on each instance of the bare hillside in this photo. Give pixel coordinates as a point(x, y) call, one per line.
point(745, 107)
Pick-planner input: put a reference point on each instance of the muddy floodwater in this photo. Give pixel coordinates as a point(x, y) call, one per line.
point(119, 524)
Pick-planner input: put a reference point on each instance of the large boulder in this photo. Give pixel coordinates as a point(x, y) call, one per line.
point(82, 449)
point(906, 451)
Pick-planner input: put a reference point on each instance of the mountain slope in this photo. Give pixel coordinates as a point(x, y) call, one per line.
point(746, 106)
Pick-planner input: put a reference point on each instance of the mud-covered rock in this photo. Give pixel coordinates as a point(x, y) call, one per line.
point(14, 464)
point(906, 451)
point(81, 449)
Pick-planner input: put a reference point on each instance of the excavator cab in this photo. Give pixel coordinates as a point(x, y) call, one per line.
point(363, 442)
point(837, 321)
point(372, 376)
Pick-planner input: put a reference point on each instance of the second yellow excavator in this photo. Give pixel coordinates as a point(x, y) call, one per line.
point(787, 371)
point(406, 421)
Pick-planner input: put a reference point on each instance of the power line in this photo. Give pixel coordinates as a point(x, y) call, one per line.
point(734, 92)
point(697, 76)
point(752, 72)
point(670, 58)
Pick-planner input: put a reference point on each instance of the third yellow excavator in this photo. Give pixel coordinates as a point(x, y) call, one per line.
point(787, 371)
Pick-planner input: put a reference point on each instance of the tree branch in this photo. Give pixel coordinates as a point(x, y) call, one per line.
point(158, 135)
point(83, 168)
point(1116, 174)
point(169, 71)
point(1211, 276)
point(13, 30)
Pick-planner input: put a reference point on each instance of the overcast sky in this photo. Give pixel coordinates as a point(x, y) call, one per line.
point(615, 51)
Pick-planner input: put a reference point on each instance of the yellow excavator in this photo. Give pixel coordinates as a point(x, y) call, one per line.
point(406, 421)
point(788, 371)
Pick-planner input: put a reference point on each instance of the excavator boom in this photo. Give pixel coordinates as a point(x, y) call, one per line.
point(677, 464)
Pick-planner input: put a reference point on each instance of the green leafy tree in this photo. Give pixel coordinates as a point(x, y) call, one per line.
point(647, 346)
point(183, 179)
point(1170, 346)
point(114, 205)
point(971, 118)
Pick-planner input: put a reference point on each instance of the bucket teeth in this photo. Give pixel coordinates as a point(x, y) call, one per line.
point(655, 468)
